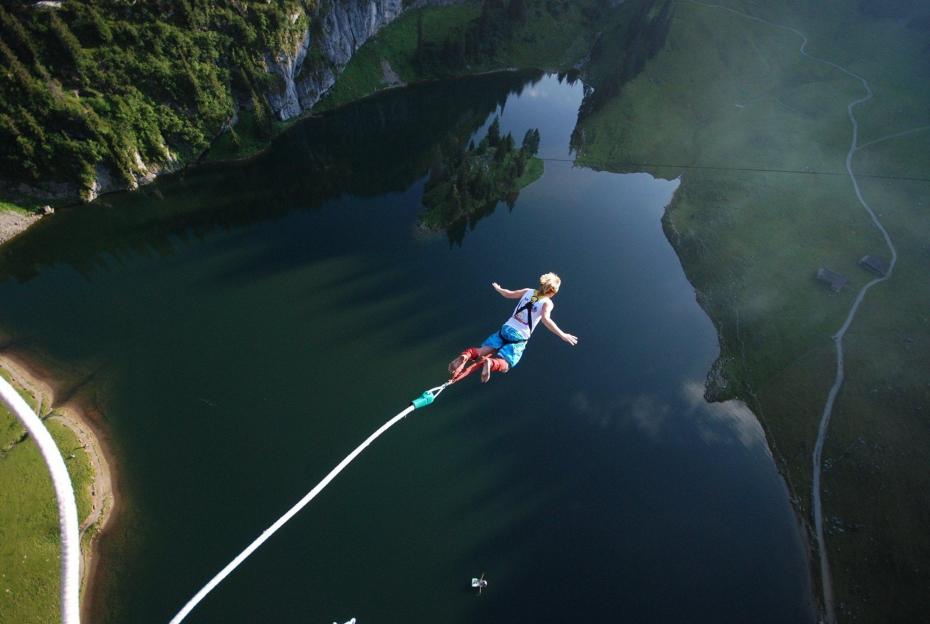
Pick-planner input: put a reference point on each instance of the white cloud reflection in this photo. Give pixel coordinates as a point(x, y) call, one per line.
point(715, 423)
point(649, 415)
point(715, 420)
point(646, 413)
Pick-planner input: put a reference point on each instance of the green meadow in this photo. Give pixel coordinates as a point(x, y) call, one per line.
point(759, 134)
point(396, 45)
point(247, 138)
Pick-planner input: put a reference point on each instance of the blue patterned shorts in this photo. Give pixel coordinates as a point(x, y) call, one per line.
point(512, 351)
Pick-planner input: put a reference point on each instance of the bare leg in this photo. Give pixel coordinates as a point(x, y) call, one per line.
point(483, 351)
point(457, 364)
point(471, 353)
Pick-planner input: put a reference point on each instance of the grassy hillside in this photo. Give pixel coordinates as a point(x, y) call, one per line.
point(131, 86)
point(448, 41)
point(396, 45)
point(727, 98)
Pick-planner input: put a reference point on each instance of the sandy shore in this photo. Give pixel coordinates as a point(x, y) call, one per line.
point(79, 419)
point(13, 223)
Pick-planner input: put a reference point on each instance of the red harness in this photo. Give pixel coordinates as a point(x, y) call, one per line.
point(468, 370)
point(498, 365)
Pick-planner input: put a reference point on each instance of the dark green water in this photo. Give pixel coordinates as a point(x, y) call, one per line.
point(244, 327)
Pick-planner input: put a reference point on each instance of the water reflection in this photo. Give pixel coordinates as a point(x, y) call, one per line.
point(253, 358)
point(723, 422)
point(657, 418)
point(381, 145)
point(647, 413)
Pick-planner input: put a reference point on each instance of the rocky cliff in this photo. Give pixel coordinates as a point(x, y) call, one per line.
point(337, 29)
point(101, 95)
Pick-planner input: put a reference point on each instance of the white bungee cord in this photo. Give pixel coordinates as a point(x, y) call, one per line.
point(423, 400)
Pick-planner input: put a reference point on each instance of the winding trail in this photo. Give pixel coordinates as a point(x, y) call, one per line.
point(817, 458)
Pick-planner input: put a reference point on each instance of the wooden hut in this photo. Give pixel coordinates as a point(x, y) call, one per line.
point(876, 264)
point(834, 280)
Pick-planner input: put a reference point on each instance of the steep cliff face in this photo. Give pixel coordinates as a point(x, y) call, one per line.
point(285, 66)
point(338, 28)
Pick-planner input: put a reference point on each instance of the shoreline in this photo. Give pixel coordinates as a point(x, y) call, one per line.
point(104, 492)
point(805, 528)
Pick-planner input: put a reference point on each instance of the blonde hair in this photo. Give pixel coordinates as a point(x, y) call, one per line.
point(549, 284)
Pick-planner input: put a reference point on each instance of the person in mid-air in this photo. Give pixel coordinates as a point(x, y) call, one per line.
point(508, 342)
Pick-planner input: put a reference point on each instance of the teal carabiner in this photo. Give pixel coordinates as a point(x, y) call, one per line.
point(424, 399)
point(428, 397)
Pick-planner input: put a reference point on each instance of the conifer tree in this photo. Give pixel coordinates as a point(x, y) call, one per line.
point(531, 141)
point(262, 116)
point(494, 133)
point(516, 11)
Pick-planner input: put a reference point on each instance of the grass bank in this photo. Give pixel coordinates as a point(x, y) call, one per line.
point(732, 107)
point(18, 208)
point(535, 168)
point(29, 532)
point(248, 138)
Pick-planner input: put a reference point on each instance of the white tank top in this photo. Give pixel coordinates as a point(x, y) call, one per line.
point(524, 320)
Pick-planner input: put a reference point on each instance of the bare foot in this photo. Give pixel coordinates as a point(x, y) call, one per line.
point(456, 365)
point(486, 371)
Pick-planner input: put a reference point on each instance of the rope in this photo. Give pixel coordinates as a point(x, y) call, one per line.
point(422, 401)
point(585, 162)
point(64, 492)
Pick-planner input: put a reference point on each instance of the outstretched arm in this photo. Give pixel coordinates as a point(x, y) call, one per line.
point(551, 326)
point(510, 294)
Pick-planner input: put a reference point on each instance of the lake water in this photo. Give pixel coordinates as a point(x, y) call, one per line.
point(244, 327)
